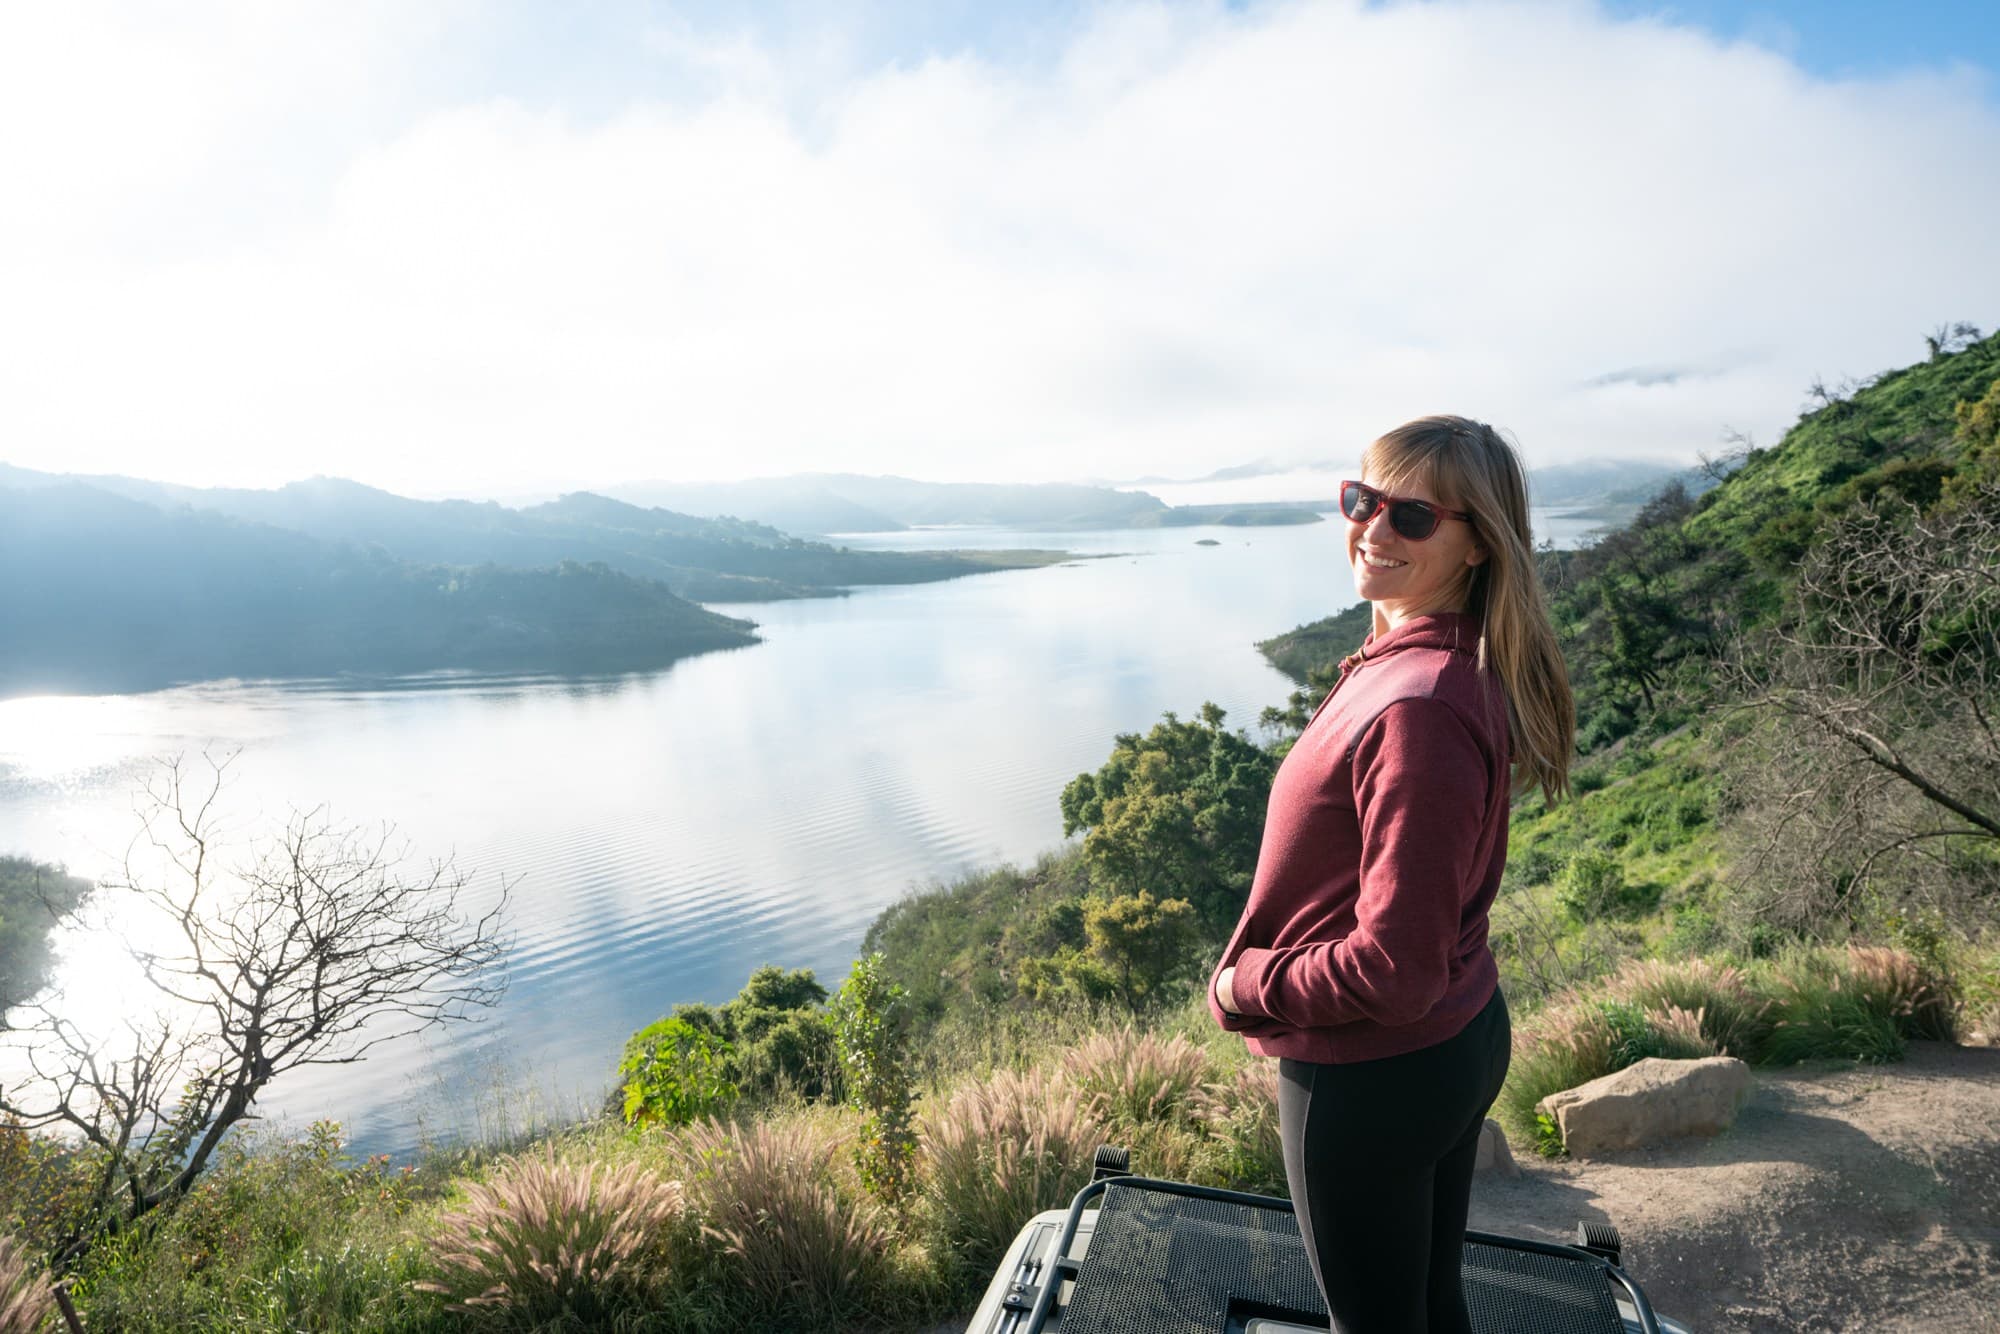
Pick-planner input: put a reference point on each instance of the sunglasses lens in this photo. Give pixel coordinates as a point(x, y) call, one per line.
point(1357, 502)
point(1413, 519)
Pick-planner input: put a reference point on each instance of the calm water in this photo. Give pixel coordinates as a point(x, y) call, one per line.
point(671, 831)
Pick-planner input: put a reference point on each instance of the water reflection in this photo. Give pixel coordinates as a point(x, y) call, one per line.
point(672, 830)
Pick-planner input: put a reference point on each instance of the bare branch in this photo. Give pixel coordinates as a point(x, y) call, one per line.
point(1878, 700)
point(321, 946)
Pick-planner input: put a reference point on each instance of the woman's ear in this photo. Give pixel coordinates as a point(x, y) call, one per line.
point(1476, 556)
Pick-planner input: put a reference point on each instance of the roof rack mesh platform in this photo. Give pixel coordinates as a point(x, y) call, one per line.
point(1181, 1261)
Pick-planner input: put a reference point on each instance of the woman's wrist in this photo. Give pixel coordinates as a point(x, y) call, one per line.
point(1225, 991)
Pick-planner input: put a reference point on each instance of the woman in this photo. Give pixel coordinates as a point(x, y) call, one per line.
point(1361, 960)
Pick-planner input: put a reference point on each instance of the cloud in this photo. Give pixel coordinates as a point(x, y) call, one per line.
point(1190, 235)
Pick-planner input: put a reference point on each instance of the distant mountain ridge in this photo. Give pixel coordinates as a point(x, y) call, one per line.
point(852, 503)
point(102, 592)
point(702, 559)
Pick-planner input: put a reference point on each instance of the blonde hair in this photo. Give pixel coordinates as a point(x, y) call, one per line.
point(1467, 466)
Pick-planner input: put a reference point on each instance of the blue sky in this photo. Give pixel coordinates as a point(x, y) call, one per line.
point(507, 247)
point(1848, 38)
point(1829, 38)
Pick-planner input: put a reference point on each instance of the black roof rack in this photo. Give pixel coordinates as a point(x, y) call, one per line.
point(1166, 1257)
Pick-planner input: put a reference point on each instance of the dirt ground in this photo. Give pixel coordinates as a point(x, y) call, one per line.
point(1844, 1199)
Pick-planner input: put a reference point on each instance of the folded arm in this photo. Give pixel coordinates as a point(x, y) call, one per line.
point(1421, 787)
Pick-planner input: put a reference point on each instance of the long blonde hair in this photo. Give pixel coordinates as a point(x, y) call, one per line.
point(1467, 466)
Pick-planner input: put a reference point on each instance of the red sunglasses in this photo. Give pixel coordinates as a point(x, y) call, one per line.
point(1412, 519)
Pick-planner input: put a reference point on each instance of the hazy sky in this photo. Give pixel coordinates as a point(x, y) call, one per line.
point(477, 247)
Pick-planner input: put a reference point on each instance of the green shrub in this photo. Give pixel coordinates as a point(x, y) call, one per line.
point(545, 1241)
point(1632, 1038)
point(1691, 931)
point(675, 1072)
point(872, 1020)
point(786, 1051)
point(997, 1152)
point(279, 1234)
point(1589, 778)
point(1593, 887)
point(1536, 866)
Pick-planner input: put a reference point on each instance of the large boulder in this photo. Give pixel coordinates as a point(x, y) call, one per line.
point(1647, 1102)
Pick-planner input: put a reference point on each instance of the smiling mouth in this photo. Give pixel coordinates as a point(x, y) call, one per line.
point(1381, 563)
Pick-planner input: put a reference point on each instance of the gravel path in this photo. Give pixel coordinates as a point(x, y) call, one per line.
point(1852, 1198)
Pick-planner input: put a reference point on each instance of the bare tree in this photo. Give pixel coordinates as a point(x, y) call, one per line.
point(1737, 447)
point(1948, 338)
point(316, 950)
point(1874, 777)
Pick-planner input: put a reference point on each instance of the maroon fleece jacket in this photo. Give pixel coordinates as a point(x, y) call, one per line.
point(1365, 932)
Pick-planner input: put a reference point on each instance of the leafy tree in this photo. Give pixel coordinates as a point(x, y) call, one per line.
point(1069, 971)
point(1145, 942)
point(1178, 813)
point(772, 988)
point(33, 898)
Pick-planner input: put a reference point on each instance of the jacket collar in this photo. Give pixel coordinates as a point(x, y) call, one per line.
point(1453, 630)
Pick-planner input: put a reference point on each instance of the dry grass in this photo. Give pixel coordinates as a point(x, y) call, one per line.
point(1920, 997)
point(1735, 1019)
point(807, 1246)
point(543, 1240)
point(1241, 1111)
point(27, 1304)
point(1135, 1078)
point(998, 1151)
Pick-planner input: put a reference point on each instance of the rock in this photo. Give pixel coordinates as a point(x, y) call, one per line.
point(1494, 1155)
point(1647, 1102)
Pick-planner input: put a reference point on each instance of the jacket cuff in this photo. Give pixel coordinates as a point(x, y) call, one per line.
point(1233, 1023)
point(1247, 987)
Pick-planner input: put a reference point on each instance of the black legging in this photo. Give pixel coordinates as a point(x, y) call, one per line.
point(1379, 1156)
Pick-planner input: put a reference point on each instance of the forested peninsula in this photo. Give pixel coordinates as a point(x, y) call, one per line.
point(104, 594)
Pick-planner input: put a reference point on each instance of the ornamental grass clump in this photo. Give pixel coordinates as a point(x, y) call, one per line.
point(1240, 1112)
point(1919, 996)
point(805, 1247)
point(997, 1152)
point(1135, 1079)
point(27, 1304)
point(544, 1240)
point(1735, 1019)
point(1825, 1013)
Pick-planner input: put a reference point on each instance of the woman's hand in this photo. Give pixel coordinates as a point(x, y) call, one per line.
point(1225, 991)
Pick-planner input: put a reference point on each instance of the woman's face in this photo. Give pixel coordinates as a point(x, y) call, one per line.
point(1404, 578)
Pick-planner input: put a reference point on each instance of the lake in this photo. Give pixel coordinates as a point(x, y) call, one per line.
point(670, 831)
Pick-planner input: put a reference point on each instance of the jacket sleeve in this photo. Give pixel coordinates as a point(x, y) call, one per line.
point(1420, 790)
